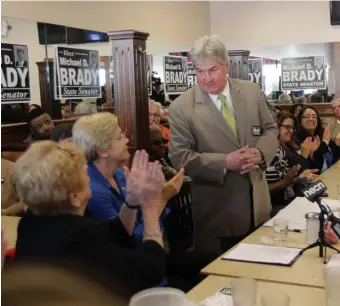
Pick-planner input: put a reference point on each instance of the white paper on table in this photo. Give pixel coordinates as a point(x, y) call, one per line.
point(222, 298)
point(266, 254)
point(296, 211)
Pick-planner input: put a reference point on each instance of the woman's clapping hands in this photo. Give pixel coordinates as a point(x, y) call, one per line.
point(144, 182)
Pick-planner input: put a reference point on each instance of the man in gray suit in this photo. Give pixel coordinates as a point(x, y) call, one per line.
point(222, 132)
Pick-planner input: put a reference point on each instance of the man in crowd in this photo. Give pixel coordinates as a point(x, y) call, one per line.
point(155, 114)
point(223, 134)
point(85, 108)
point(41, 125)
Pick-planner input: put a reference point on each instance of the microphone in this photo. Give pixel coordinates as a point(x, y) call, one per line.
point(313, 193)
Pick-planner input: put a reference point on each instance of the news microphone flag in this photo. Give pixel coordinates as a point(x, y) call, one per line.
point(314, 191)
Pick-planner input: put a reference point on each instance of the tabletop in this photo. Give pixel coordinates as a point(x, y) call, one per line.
point(299, 295)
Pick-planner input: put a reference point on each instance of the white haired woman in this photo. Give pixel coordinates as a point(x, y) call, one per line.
point(52, 180)
point(106, 151)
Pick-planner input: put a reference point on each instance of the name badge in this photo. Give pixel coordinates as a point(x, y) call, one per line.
point(256, 131)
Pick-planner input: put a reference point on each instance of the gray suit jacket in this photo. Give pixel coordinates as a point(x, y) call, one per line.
point(200, 141)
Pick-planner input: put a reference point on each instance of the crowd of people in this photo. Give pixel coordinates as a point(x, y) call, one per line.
point(85, 208)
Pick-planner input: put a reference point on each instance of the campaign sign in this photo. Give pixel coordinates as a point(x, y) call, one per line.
point(303, 73)
point(15, 77)
point(175, 75)
point(256, 71)
point(191, 75)
point(77, 71)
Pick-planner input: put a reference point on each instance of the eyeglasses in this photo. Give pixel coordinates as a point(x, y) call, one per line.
point(160, 142)
point(288, 127)
point(309, 117)
point(154, 115)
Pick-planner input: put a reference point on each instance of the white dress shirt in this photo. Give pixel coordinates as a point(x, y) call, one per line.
point(218, 102)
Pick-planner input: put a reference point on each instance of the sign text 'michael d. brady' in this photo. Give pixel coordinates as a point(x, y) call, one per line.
point(15, 81)
point(77, 73)
point(303, 73)
point(175, 74)
point(256, 71)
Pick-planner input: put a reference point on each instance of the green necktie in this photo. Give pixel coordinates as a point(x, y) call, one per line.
point(227, 113)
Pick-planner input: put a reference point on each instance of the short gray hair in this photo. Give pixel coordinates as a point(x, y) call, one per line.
point(209, 47)
point(160, 106)
point(85, 108)
point(284, 98)
point(93, 133)
point(46, 174)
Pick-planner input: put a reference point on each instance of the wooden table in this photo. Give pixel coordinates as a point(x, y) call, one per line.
point(307, 271)
point(300, 296)
point(10, 227)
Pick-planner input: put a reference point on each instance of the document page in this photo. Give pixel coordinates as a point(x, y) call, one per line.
point(266, 254)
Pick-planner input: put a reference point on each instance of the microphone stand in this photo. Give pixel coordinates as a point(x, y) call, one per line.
point(322, 243)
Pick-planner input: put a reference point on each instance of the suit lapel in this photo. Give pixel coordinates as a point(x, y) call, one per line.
point(240, 109)
point(207, 110)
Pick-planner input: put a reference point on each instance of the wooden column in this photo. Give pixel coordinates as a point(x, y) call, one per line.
point(46, 79)
point(130, 85)
point(336, 68)
point(239, 64)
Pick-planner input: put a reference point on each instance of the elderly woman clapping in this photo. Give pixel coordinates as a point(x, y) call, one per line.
point(52, 180)
point(106, 151)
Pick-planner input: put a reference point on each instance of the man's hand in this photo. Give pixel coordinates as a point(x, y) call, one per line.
point(243, 160)
point(310, 174)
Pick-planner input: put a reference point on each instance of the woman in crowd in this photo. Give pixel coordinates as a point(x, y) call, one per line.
point(335, 122)
point(106, 151)
point(309, 127)
point(288, 165)
point(52, 180)
point(158, 151)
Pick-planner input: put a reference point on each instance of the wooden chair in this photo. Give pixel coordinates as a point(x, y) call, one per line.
point(179, 227)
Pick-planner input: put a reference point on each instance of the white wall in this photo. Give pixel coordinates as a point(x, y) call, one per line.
point(250, 24)
point(173, 22)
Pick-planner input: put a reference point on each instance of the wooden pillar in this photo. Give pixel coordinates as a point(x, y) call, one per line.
point(238, 61)
point(336, 67)
point(46, 81)
point(130, 85)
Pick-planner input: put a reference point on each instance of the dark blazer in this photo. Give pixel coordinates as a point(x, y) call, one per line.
point(23, 65)
point(96, 248)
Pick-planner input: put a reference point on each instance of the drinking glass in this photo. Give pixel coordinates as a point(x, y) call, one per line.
point(275, 299)
point(244, 291)
point(280, 229)
point(160, 296)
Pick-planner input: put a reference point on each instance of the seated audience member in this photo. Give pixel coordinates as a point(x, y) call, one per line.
point(309, 127)
point(316, 98)
point(284, 99)
point(106, 151)
point(10, 204)
point(155, 114)
point(12, 114)
point(52, 180)
point(308, 98)
point(61, 132)
point(33, 106)
point(287, 166)
point(158, 151)
point(295, 109)
point(41, 125)
point(85, 108)
point(301, 100)
point(335, 122)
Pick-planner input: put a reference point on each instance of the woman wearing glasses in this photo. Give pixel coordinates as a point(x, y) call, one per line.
point(288, 165)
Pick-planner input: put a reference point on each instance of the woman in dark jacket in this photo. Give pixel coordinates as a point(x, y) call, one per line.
point(52, 180)
point(309, 127)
